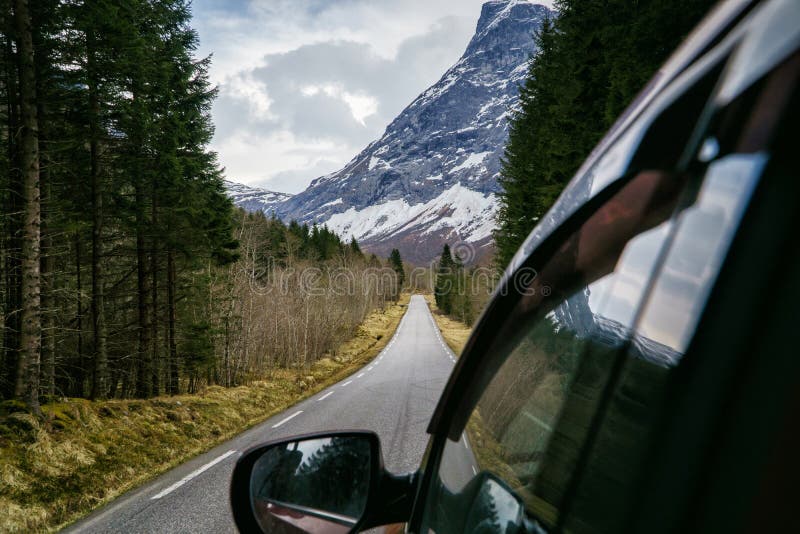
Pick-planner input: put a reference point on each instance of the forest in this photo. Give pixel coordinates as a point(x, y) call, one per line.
point(126, 271)
point(593, 59)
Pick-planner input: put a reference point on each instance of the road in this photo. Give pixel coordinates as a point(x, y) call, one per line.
point(394, 396)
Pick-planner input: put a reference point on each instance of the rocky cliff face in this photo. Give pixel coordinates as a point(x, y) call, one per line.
point(255, 198)
point(432, 177)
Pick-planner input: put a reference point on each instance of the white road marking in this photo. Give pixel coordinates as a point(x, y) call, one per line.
point(359, 376)
point(328, 394)
point(369, 368)
point(465, 440)
point(295, 414)
point(343, 385)
point(474, 471)
point(191, 475)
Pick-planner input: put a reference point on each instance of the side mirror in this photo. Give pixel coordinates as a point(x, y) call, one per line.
point(329, 482)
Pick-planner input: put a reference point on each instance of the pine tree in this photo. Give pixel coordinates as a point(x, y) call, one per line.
point(591, 61)
point(396, 263)
point(444, 285)
point(27, 382)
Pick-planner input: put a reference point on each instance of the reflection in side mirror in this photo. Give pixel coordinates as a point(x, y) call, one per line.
point(315, 485)
point(332, 482)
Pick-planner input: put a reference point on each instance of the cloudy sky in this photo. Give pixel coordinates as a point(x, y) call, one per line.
point(306, 84)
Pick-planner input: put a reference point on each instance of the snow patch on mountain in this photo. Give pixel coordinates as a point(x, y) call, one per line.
point(473, 160)
point(465, 213)
point(432, 176)
point(254, 198)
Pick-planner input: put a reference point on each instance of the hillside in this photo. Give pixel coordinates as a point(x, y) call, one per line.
point(432, 176)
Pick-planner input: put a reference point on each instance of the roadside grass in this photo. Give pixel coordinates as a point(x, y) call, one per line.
point(83, 453)
point(454, 332)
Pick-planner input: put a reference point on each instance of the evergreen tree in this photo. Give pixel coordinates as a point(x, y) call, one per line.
point(591, 61)
point(445, 278)
point(354, 247)
point(396, 263)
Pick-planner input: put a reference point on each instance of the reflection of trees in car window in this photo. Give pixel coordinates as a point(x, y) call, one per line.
point(336, 476)
point(668, 319)
point(558, 351)
point(331, 475)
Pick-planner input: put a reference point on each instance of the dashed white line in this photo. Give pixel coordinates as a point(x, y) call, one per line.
point(328, 394)
point(295, 414)
point(464, 437)
point(359, 376)
point(348, 382)
point(369, 368)
point(191, 475)
point(474, 471)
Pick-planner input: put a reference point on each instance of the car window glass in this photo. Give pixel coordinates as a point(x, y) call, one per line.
point(668, 320)
point(531, 419)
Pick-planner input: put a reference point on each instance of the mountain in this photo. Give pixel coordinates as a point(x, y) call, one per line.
point(432, 176)
point(254, 198)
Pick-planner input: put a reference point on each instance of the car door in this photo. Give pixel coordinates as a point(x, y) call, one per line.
point(555, 356)
point(553, 427)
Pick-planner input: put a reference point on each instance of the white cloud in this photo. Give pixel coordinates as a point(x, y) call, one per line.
point(306, 84)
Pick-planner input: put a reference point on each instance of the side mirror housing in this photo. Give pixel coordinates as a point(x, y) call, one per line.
point(323, 482)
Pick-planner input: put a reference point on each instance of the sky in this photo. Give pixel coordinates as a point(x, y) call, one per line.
point(304, 85)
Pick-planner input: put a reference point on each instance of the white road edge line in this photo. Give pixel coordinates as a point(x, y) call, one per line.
point(474, 471)
point(295, 414)
point(343, 385)
point(359, 376)
point(328, 394)
point(191, 475)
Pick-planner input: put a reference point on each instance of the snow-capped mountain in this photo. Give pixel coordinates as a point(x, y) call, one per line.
point(254, 198)
point(432, 176)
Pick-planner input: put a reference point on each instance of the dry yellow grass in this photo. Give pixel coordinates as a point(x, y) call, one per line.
point(455, 333)
point(84, 453)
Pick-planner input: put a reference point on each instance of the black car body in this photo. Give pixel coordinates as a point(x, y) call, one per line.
point(637, 369)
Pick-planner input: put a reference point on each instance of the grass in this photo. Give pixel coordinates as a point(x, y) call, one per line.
point(454, 332)
point(83, 453)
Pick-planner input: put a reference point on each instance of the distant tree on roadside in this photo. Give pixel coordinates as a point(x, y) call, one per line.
point(444, 284)
point(355, 248)
point(396, 263)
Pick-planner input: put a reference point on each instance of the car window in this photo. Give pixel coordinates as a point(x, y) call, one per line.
point(704, 230)
point(737, 145)
point(558, 351)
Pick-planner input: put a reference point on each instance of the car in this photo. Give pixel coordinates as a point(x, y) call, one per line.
point(637, 368)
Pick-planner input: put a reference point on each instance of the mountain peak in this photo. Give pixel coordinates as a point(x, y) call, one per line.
point(498, 15)
point(432, 176)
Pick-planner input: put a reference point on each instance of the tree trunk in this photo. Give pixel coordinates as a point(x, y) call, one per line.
point(100, 367)
point(48, 278)
point(81, 375)
point(173, 347)
point(46, 264)
point(154, 359)
point(27, 383)
point(144, 381)
point(11, 207)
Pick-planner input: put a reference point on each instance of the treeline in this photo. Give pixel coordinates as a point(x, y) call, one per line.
point(592, 61)
point(125, 270)
point(462, 291)
point(292, 298)
point(111, 201)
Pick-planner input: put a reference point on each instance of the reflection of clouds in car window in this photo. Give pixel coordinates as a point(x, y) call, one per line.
point(309, 447)
point(506, 504)
point(705, 231)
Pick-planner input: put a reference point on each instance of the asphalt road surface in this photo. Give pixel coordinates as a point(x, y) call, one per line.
point(394, 396)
